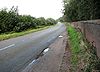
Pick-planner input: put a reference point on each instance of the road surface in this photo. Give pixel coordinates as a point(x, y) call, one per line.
point(50, 61)
point(17, 53)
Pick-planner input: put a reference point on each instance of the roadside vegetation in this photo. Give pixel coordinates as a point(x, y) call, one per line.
point(17, 34)
point(78, 10)
point(83, 55)
point(12, 24)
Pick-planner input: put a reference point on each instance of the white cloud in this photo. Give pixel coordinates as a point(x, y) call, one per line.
point(36, 8)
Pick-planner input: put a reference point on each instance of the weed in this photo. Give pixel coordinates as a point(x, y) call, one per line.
point(84, 56)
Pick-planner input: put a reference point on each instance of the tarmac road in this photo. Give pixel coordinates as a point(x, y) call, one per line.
point(17, 53)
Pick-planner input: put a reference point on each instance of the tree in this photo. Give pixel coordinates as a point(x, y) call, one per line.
point(75, 10)
point(11, 21)
point(50, 21)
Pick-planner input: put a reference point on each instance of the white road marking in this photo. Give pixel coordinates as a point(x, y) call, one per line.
point(29, 66)
point(60, 36)
point(7, 47)
point(32, 62)
point(46, 50)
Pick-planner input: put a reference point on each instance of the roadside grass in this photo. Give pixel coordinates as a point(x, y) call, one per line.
point(17, 34)
point(83, 55)
point(74, 38)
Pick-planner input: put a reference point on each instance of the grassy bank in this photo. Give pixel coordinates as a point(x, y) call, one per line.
point(17, 34)
point(83, 55)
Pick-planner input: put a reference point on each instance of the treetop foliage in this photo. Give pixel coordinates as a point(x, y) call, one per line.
point(76, 10)
point(11, 21)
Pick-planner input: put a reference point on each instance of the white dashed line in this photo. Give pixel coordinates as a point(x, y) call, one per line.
point(60, 36)
point(32, 62)
point(7, 47)
point(46, 50)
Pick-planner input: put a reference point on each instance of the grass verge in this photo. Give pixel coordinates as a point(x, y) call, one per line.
point(83, 55)
point(17, 34)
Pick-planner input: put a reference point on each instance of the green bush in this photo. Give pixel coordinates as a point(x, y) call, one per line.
point(51, 21)
point(7, 20)
point(11, 21)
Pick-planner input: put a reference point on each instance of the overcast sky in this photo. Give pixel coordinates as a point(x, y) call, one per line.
point(36, 8)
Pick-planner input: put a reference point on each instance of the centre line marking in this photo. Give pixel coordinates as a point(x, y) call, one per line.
point(7, 47)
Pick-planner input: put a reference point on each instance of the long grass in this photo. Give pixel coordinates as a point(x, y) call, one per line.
point(17, 34)
point(84, 57)
point(74, 37)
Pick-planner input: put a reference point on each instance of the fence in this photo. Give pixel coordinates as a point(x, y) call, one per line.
point(91, 30)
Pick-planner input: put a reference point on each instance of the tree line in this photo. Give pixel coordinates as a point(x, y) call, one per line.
point(11, 21)
point(77, 10)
